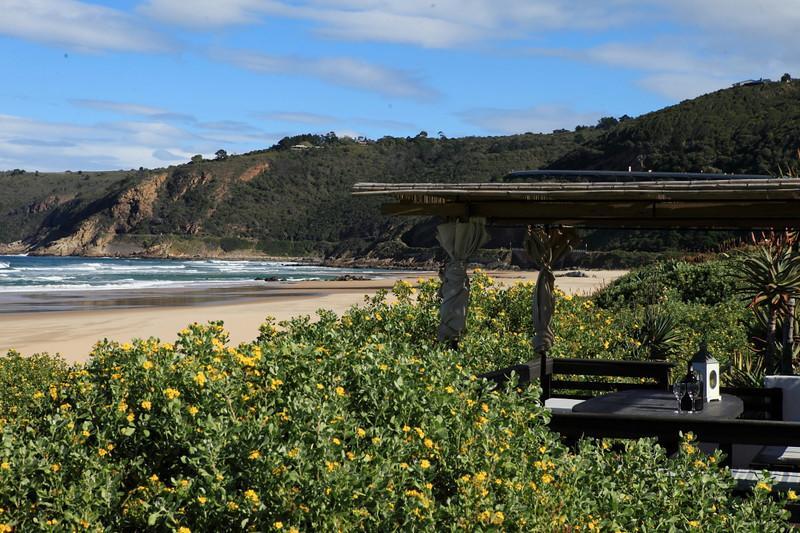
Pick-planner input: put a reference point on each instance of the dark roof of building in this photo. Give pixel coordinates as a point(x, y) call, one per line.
point(597, 198)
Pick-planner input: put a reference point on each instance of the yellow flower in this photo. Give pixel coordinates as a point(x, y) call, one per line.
point(792, 495)
point(420, 433)
point(498, 518)
point(154, 478)
point(547, 478)
point(102, 452)
point(425, 464)
point(200, 379)
point(233, 506)
point(146, 405)
point(361, 433)
point(336, 441)
point(184, 529)
point(484, 408)
point(5, 465)
point(251, 496)
point(5, 528)
point(763, 486)
point(291, 454)
point(55, 467)
point(277, 525)
point(320, 386)
point(131, 417)
point(148, 364)
point(193, 410)
point(340, 391)
point(171, 393)
point(255, 455)
point(38, 394)
point(85, 433)
point(428, 443)
point(694, 523)
point(202, 500)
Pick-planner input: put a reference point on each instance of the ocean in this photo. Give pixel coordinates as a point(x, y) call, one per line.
point(20, 273)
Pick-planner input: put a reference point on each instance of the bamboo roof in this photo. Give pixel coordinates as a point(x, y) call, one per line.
point(604, 199)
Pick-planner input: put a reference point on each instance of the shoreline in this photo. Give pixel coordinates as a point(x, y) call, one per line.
point(162, 313)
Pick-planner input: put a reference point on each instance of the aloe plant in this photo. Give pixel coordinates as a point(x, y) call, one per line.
point(770, 275)
point(745, 370)
point(659, 334)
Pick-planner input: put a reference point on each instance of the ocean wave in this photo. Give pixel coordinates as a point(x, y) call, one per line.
point(3, 264)
point(127, 285)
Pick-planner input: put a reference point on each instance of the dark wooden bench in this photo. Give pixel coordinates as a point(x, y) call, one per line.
point(759, 403)
point(561, 378)
point(563, 382)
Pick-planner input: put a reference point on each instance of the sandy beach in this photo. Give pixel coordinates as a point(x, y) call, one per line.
point(124, 315)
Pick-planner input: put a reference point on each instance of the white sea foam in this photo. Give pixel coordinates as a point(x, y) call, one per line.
point(71, 274)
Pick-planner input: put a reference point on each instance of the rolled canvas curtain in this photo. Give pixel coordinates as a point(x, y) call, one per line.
point(460, 240)
point(545, 247)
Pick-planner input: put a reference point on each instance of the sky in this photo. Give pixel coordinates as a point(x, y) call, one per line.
point(100, 85)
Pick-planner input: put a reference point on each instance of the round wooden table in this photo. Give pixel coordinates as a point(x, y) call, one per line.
point(657, 403)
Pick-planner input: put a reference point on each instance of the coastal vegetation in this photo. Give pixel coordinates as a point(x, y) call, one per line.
point(294, 198)
point(364, 422)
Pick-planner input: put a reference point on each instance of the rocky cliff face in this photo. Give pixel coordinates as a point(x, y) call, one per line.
point(104, 226)
point(92, 235)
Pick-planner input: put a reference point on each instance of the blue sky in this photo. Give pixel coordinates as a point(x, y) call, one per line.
point(106, 85)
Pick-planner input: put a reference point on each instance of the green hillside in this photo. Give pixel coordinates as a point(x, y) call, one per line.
point(294, 198)
point(282, 201)
point(751, 129)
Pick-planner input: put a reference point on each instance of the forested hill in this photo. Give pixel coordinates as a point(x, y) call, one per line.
point(749, 129)
point(294, 198)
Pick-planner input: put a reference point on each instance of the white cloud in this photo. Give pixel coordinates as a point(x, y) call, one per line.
point(536, 119)
point(433, 24)
point(384, 125)
point(77, 25)
point(204, 13)
point(447, 23)
point(343, 71)
point(46, 145)
point(127, 108)
point(678, 86)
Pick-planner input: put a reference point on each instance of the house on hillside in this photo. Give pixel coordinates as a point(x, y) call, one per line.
point(760, 81)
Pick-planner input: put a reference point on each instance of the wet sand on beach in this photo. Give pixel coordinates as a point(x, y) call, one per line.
point(70, 323)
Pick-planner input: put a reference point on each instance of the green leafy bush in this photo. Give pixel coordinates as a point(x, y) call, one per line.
point(359, 422)
point(708, 282)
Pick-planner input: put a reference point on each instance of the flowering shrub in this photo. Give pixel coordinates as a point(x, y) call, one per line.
point(355, 423)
